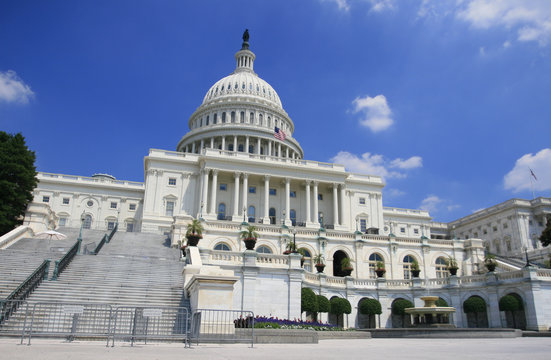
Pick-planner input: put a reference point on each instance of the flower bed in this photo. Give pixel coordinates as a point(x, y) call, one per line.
point(262, 322)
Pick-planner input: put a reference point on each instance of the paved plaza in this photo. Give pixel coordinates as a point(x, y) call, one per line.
point(516, 348)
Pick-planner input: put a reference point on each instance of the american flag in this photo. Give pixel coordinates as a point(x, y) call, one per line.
point(534, 175)
point(279, 134)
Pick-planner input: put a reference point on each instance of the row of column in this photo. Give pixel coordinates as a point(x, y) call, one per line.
point(338, 198)
point(271, 147)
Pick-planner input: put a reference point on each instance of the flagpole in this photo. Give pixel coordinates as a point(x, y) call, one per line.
point(532, 184)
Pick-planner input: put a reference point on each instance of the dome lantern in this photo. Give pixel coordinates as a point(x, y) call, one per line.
point(245, 57)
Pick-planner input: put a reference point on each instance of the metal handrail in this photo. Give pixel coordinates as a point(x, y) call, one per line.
point(115, 228)
point(100, 245)
point(10, 303)
point(61, 264)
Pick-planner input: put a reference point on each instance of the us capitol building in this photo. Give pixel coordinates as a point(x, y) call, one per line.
point(239, 164)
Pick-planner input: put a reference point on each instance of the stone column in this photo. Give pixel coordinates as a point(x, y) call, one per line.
point(279, 150)
point(335, 205)
point(212, 142)
point(342, 199)
point(213, 192)
point(266, 219)
point(308, 217)
point(235, 143)
point(287, 201)
point(316, 208)
point(205, 189)
point(270, 148)
point(246, 144)
point(202, 146)
point(236, 196)
point(258, 146)
point(286, 151)
point(245, 190)
point(223, 143)
point(193, 147)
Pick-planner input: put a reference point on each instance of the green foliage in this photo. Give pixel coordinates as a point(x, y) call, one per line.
point(399, 306)
point(474, 304)
point(415, 265)
point(441, 302)
point(545, 237)
point(451, 262)
point(195, 228)
point(323, 304)
point(370, 307)
point(346, 263)
point(319, 259)
point(17, 180)
point(380, 265)
point(340, 306)
point(510, 303)
point(249, 233)
point(308, 301)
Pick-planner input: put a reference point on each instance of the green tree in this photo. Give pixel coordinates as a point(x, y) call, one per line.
point(17, 180)
point(308, 301)
point(323, 304)
point(545, 237)
point(370, 307)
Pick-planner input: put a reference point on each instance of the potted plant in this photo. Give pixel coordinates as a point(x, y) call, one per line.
point(319, 262)
point(415, 270)
point(380, 269)
point(302, 253)
point(249, 236)
point(452, 266)
point(490, 262)
point(194, 232)
point(346, 266)
point(289, 248)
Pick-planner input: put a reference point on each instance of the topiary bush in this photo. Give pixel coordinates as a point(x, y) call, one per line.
point(340, 306)
point(474, 304)
point(510, 303)
point(370, 307)
point(441, 302)
point(308, 301)
point(323, 304)
point(399, 306)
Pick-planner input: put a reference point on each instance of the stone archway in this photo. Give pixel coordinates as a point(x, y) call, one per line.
point(475, 310)
point(337, 258)
point(513, 308)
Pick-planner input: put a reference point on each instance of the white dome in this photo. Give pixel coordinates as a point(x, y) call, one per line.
point(242, 83)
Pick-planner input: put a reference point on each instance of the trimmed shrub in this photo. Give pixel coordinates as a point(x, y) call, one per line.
point(323, 304)
point(474, 304)
point(510, 303)
point(308, 301)
point(441, 302)
point(340, 306)
point(370, 307)
point(399, 306)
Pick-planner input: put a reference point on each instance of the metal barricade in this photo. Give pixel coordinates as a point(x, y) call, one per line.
point(211, 325)
point(12, 316)
point(132, 323)
point(69, 320)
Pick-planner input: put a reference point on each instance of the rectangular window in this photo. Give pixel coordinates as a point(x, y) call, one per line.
point(131, 207)
point(130, 227)
point(252, 189)
point(45, 199)
point(320, 196)
point(416, 231)
point(172, 181)
point(273, 192)
point(113, 205)
point(530, 222)
point(65, 201)
point(485, 232)
point(363, 225)
point(293, 194)
point(110, 225)
point(362, 201)
point(505, 226)
point(223, 187)
point(403, 230)
point(169, 208)
point(494, 228)
point(62, 221)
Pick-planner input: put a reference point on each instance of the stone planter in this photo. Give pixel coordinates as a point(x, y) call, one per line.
point(250, 243)
point(347, 271)
point(193, 240)
point(415, 273)
point(320, 267)
point(490, 266)
point(453, 271)
point(380, 272)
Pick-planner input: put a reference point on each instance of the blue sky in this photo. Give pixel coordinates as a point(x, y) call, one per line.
point(450, 101)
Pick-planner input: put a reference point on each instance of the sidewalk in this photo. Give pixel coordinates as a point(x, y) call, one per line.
point(487, 349)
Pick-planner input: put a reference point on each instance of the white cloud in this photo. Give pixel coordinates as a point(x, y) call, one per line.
point(381, 5)
point(376, 112)
point(394, 193)
point(411, 163)
point(506, 44)
point(342, 4)
point(430, 203)
point(374, 164)
point(13, 89)
point(519, 178)
point(531, 19)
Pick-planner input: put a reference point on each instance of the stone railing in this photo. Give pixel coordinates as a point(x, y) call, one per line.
point(472, 279)
point(335, 281)
point(518, 274)
point(546, 273)
point(400, 283)
point(272, 260)
point(96, 180)
point(436, 282)
point(225, 257)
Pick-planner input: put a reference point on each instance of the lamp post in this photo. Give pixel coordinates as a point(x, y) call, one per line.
point(79, 239)
point(244, 213)
point(294, 241)
point(201, 212)
point(283, 218)
point(526, 253)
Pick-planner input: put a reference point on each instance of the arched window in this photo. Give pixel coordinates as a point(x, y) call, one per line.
point(222, 246)
point(215, 119)
point(263, 249)
point(408, 260)
point(251, 118)
point(223, 117)
point(233, 114)
point(307, 259)
point(240, 147)
point(251, 214)
point(441, 268)
point(208, 119)
point(87, 223)
point(293, 216)
point(373, 259)
point(242, 112)
point(221, 211)
point(260, 117)
point(272, 215)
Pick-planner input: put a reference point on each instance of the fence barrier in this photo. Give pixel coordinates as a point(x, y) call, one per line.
point(12, 316)
point(150, 323)
point(209, 325)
